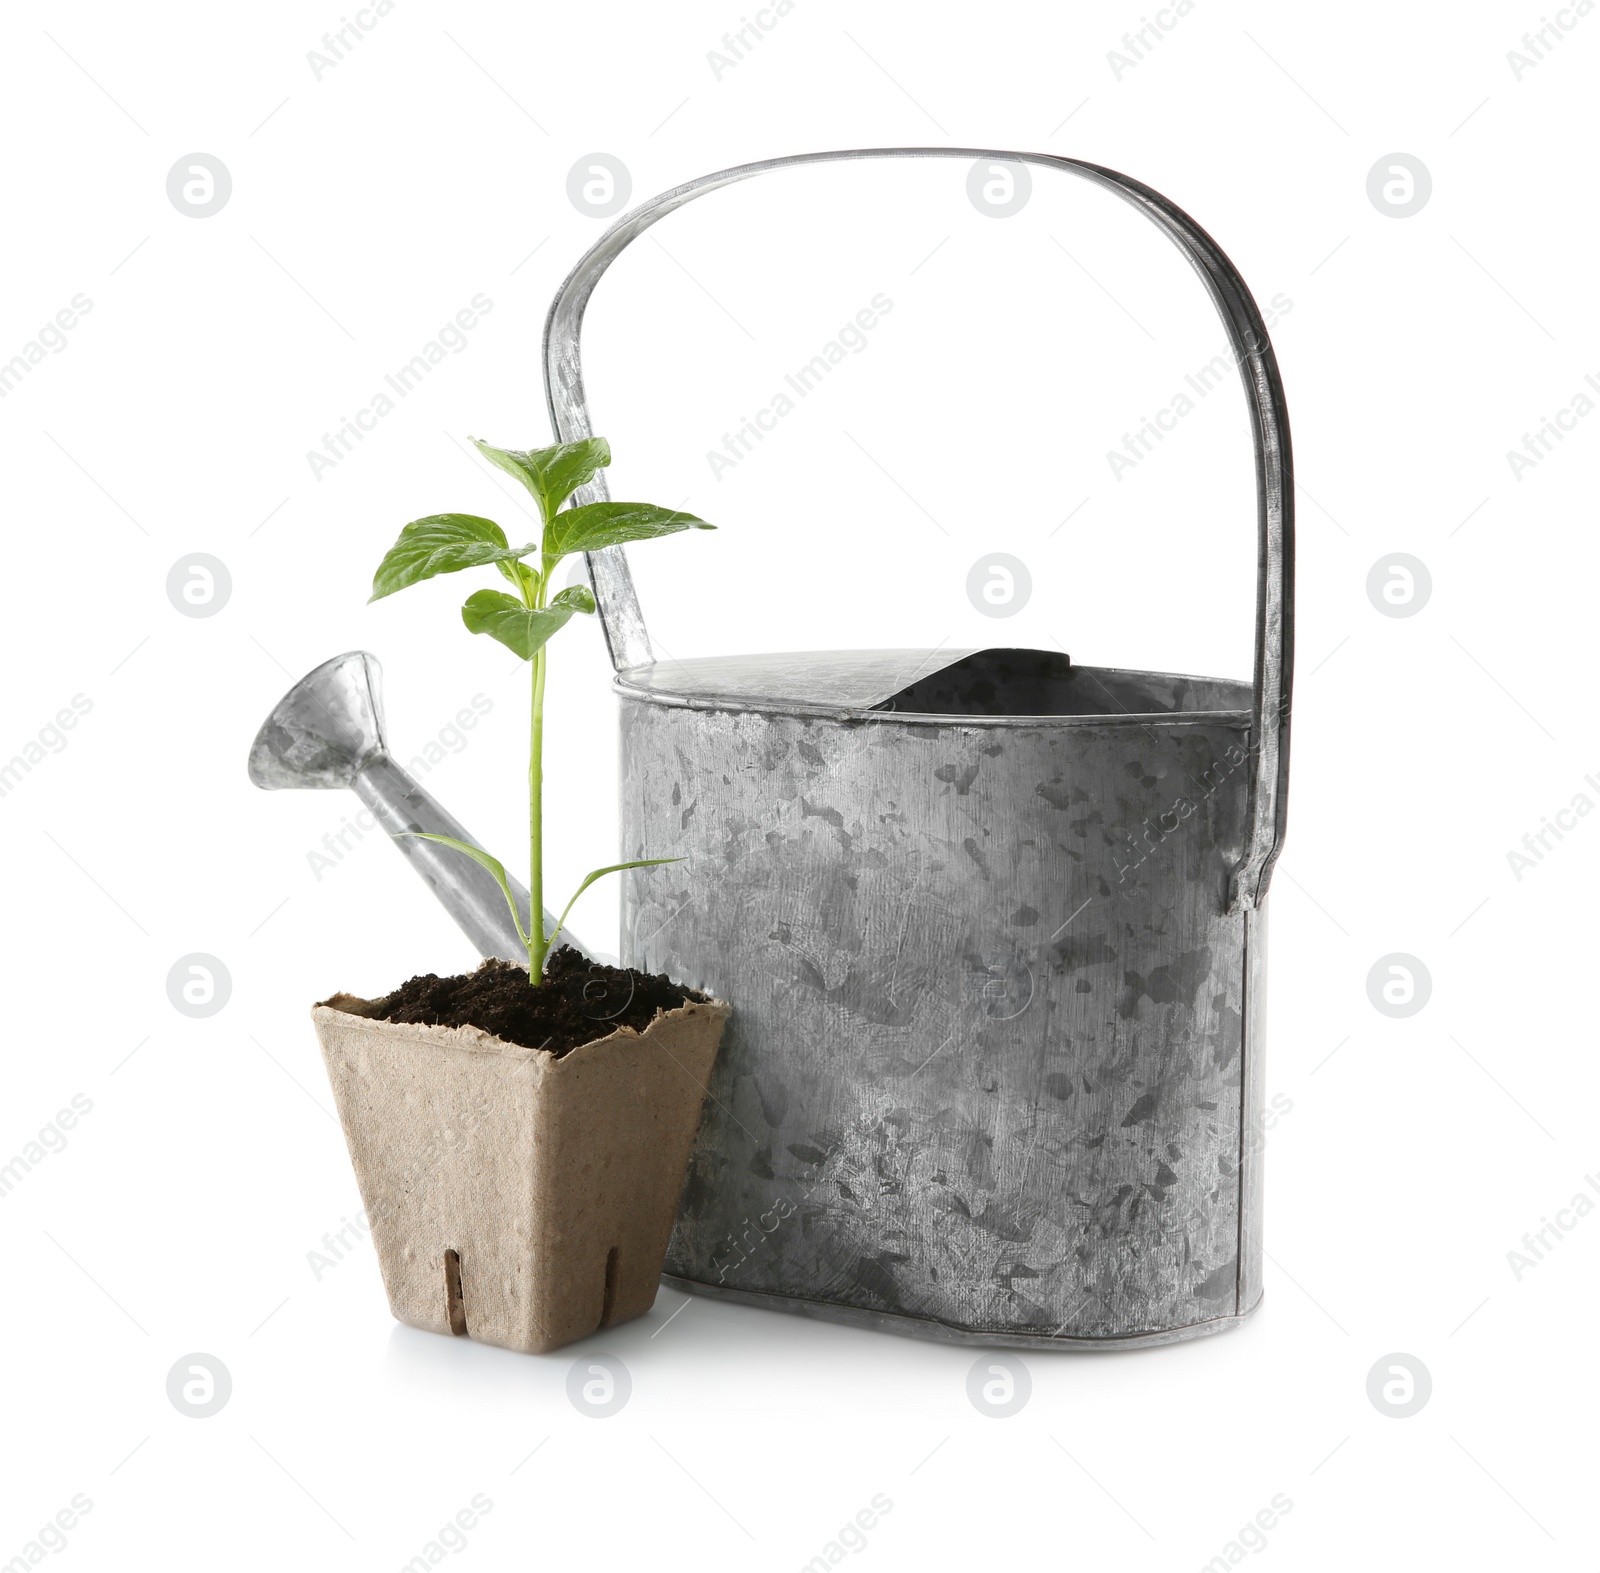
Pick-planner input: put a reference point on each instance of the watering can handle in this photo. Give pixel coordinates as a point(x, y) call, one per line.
point(1269, 423)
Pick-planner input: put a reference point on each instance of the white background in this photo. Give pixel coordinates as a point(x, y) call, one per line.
point(368, 206)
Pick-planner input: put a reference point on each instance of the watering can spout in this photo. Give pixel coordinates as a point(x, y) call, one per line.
point(328, 732)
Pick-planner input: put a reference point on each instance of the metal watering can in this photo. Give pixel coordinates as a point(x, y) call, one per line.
point(992, 924)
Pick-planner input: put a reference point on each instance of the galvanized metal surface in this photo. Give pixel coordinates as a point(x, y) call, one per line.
point(1253, 1103)
point(938, 1332)
point(328, 732)
point(985, 1066)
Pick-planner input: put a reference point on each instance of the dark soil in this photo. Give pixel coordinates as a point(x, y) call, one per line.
point(580, 1000)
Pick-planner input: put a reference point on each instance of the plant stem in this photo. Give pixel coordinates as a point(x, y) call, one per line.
point(538, 941)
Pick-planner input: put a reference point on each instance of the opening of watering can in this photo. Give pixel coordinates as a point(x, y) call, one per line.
point(993, 685)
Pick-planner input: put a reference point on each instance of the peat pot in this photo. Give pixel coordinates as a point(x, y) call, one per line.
point(993, 925)
point(513, 1197)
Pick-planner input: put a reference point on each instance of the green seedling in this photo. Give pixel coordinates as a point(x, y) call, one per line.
point(526, 621)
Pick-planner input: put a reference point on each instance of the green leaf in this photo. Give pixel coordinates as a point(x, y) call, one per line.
point(525, 579)
point(601, 524)
point(552, 474)
point(600, 873)
point(442, 543)
point(483, 860)
point(578, 596)
point(516, 626)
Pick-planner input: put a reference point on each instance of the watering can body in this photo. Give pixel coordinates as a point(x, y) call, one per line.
point(993, 927)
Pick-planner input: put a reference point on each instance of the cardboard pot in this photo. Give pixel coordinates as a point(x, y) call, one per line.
point(513, 1197)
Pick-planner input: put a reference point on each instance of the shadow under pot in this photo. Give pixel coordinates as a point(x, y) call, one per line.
point(516, 1196)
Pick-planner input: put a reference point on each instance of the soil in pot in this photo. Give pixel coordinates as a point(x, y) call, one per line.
point(580, 1000)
